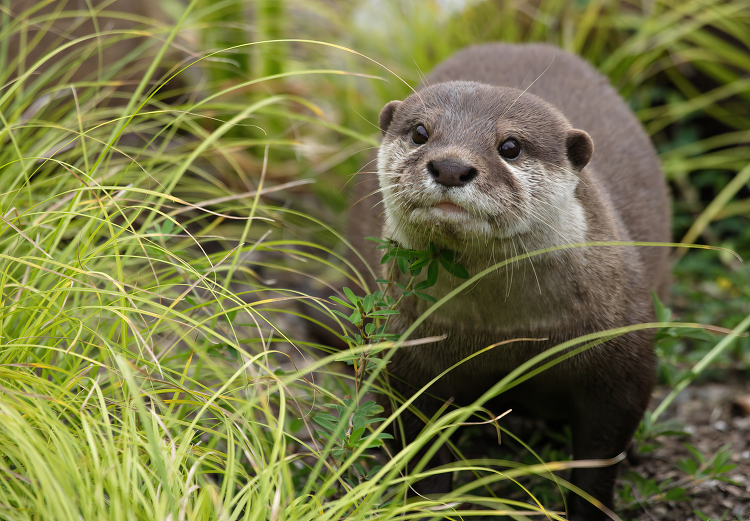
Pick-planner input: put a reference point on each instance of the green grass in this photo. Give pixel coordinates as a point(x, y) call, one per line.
point(161, 242)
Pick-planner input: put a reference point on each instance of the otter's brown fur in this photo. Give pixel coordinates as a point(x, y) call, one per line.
point(555, 193)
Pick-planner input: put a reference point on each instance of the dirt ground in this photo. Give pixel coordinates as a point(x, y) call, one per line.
point(714, 415)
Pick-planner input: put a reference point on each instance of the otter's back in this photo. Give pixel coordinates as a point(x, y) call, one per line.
point(624, 158)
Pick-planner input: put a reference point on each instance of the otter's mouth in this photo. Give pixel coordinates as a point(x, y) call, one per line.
point(449, 208)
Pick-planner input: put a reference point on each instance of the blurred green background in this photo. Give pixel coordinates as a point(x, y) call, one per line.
point(175, 181)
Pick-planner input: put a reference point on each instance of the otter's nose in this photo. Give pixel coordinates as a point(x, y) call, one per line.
point(451, 172)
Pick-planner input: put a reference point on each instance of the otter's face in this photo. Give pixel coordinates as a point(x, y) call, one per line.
point(464, 163)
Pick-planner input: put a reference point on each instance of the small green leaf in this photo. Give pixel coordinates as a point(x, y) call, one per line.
point(447, 256)
point(355, 318)
point(323, 435)
point(167, 227)
point(460, 272)
point(233, 353)
point(446, 264)
point(400, 253)
point(385, 336)
point(339, 301)
point(339, 313)
point(358, 421)
point(384, 312)
point(351, 296)
point(356, 435)
point(403, 265)
point(696, 453)
point(324, 422)
point(426, 297)
point(421, 263)
point(446, 259)
point(723, 469)
point(432, 273)
point(370, 328)
point(662, 313)
point(688, 466)
point(377, 440)
point(676, 494)
point(368, 303)
point(422, 285)
point(371, 407)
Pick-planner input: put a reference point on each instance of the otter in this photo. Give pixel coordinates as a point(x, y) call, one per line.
point(507, 149)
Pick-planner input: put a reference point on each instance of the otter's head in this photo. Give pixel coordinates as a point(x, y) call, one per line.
point(464, 163)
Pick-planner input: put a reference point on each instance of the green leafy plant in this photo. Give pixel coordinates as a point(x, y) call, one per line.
point(346, 433)
point(637, 490)
point(370, 316)
point(700, 468)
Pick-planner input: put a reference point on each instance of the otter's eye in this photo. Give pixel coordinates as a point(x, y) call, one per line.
point(419, 135)
point(510, 149)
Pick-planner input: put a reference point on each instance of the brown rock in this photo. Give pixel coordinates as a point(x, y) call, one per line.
point(741, 406)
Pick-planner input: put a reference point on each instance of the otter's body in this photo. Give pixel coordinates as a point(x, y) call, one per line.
point(477, 164)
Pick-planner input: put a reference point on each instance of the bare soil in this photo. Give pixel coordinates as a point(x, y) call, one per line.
point(713, 415)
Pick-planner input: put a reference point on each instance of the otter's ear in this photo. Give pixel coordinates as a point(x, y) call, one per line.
point(386, 115)
point(580, 148)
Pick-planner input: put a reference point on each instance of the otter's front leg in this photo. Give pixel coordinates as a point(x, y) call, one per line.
point(412, 427)
point(602, 429)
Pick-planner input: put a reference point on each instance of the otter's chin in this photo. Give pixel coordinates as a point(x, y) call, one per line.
point(449, 222)
point(447, 214)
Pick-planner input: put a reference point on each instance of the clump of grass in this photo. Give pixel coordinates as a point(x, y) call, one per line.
point(164, 250)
